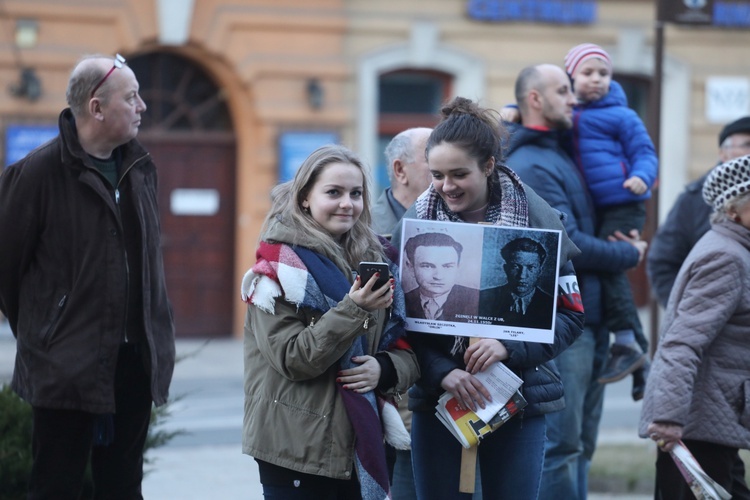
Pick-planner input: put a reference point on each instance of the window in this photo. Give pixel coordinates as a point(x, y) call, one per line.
point(407, 98)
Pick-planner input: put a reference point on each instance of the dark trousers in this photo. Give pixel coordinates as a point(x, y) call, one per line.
point(280, 483)
point(620, 311)
point(63, 441)
point(722, 463)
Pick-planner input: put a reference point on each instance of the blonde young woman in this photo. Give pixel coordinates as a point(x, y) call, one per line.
point(322, 349)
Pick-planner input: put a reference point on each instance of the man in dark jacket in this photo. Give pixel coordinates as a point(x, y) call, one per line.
point(688, 219)
point(82, 284)
point(546, 103)
point(520, 301)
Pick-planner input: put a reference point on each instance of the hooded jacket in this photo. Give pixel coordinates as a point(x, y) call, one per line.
point(64, 274)
point(294, 416)
point(700, 377)
point(611, 144)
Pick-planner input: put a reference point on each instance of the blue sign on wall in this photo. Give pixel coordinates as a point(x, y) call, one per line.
point(732, 14)
point(295, 147)
point(538, 11)
point(20, 140)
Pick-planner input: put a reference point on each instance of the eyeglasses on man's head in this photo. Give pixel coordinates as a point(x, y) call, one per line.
point(119, 62)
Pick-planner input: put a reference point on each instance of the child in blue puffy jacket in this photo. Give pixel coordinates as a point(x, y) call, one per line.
point(615, 154)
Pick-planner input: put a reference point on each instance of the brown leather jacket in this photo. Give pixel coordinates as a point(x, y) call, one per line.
point(63, 274)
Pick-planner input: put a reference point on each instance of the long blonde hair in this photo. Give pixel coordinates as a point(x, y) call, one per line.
point(359, 243)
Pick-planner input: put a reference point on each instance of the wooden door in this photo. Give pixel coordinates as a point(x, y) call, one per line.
point(187, 128)
point(197, 212)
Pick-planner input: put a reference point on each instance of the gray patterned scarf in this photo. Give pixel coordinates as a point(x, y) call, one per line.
point(508, 206)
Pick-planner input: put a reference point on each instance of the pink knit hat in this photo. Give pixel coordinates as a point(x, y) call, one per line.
point(580, 53)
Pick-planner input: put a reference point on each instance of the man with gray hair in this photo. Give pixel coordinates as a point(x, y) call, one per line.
point(408, 175)
point(688, 219)
point(82, 284)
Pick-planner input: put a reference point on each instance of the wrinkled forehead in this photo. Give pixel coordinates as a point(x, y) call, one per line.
point(436, 254)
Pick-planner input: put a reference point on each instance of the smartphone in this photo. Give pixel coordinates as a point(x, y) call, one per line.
point(367, 269)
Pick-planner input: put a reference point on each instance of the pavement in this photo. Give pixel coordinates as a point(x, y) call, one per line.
point(206, 461)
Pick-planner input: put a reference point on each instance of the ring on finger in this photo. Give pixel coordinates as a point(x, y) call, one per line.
point(660, 443)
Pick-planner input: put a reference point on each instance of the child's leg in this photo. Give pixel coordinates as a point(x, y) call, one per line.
point(620, 311)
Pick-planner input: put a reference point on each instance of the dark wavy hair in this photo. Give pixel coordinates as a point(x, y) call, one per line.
point(474, 129)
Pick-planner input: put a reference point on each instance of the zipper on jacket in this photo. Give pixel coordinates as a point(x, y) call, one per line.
point(55, 318)
point(127, 266)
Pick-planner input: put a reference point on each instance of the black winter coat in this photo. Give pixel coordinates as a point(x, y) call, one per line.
point(64, 274)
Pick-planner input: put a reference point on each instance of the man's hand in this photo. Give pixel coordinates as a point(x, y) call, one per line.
point(510, 114)
point(634, 239)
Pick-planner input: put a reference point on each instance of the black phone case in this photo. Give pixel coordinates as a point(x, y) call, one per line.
point(367, 269)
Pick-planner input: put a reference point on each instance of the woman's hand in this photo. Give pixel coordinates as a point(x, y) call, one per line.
point(362, 378)
point(367, 298)
point(481, 354)
point(665, 435)
point(468, 391)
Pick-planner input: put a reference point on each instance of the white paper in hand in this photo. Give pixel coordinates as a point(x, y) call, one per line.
point(501, 382)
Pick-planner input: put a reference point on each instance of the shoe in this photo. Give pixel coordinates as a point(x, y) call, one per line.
point(623, 360)
point(639, 381)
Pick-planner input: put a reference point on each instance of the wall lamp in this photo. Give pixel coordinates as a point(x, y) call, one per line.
point(27, 33)
point(29, 85)
point(315, 93)
point(26, 37)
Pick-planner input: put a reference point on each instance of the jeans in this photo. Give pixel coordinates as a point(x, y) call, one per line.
point(572, 432)
point(63, 440)
point(402, 486)
point(510, 459)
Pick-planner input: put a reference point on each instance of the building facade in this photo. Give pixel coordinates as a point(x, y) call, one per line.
point(239, 91)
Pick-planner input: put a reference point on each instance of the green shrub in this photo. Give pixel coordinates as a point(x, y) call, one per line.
point(15, 444)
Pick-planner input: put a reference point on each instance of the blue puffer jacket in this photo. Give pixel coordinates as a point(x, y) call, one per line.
point(610, 144)
point(538, 159)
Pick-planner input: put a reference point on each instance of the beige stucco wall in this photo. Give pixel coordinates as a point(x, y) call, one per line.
point(262, 52)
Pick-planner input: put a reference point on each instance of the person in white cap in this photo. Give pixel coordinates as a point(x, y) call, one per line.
point(699, 385)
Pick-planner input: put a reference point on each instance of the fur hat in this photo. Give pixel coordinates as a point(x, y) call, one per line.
point(580, 53)
point(727, 181)
point(741, 125)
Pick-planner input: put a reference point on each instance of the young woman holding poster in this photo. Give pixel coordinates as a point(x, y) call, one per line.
point(322, 348)
point(470, 184)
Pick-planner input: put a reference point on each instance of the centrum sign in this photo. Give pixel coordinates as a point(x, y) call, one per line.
point(539, 11)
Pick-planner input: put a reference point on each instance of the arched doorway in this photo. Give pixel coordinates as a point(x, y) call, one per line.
point(188, 131)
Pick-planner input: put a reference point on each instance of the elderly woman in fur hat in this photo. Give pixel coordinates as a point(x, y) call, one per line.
point(699, 388)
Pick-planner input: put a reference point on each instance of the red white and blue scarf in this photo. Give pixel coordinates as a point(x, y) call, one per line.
point(307, 279)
